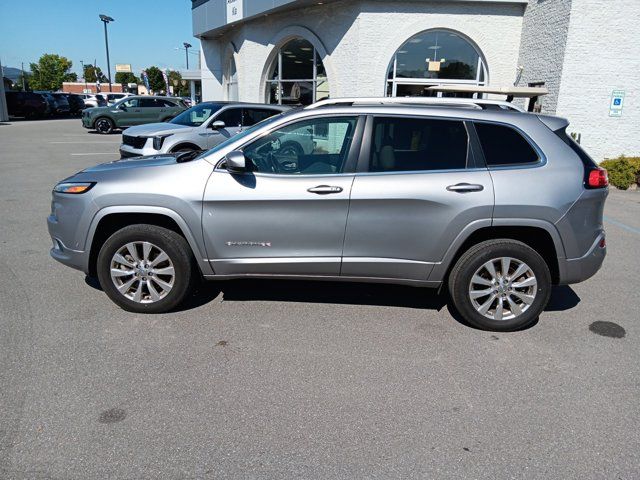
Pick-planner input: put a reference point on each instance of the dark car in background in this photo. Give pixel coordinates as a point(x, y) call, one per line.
point(27, 104)
point(57, 104)
point(76, 103)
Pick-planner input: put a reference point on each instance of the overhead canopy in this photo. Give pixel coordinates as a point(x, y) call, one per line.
point(510, 91)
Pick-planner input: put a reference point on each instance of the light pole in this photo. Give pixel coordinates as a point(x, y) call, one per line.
point(187, 46)
point(106, 19)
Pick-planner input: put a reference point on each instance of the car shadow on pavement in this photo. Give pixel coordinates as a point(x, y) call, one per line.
point(343, 293)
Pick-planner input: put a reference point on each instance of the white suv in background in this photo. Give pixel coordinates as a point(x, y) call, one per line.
point(199, 128)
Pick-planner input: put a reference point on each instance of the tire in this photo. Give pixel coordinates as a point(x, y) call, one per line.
point(104, 125)
point(147, 281)
point(523, 297)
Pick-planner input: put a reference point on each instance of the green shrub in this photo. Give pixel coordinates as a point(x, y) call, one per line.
point(622, 171)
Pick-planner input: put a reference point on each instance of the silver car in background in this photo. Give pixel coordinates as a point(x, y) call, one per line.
point(199, 128)
point(493, 206)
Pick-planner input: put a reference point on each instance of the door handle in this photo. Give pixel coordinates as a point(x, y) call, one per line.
point(465, 188)
point(324, 190)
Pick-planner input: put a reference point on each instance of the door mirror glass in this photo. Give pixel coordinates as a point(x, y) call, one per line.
point(218, 125)
point(236, 162)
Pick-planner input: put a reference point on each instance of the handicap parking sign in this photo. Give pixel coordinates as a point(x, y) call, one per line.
point(617, 101)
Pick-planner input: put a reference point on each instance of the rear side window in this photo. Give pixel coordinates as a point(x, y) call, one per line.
point(251, 116)
point(418, 144)
point(232, 117)
point(503, 146)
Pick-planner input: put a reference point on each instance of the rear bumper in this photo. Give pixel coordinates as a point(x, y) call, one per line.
point(576, 270)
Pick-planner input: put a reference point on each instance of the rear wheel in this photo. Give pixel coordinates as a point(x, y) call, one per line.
point(104, 125)
point(500, 285)
point(146, 269)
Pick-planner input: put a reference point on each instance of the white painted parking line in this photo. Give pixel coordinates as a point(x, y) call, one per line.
point(99, 153)
point(117, 141)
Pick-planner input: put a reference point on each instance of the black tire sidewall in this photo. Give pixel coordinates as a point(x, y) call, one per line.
point(471, 261)
point(174, 245)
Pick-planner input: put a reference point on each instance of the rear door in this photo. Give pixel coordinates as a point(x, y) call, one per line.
point(418, 186)
point(150, 110)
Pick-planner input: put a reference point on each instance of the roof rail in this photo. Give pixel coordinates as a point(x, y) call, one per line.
point(479, 104)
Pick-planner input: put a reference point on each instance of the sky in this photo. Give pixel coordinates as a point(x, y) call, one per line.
point(144, 33)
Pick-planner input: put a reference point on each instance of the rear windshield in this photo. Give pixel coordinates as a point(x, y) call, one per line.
point(587, 161)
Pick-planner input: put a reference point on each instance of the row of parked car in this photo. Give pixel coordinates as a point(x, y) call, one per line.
point(41, 104)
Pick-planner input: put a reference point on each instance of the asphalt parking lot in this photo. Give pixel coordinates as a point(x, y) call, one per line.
point(272, 379)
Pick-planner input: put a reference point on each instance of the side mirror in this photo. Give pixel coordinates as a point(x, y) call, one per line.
point(236, 162)
point(218, 125)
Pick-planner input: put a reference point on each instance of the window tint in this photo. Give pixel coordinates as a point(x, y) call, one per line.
point(254, 115)
point(416, 144)
point(231, 117)
point(148, 103)
point(312, 147)
point(165, 103)
point(504, 146)
point(133, 103)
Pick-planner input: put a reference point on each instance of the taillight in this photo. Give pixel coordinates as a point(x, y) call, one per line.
point(597, 178)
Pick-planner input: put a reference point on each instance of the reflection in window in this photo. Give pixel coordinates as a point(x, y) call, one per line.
point(434, 57)
point(310, 147)
point(297, 76)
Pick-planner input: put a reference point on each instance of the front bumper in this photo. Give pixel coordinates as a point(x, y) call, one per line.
point(86, 121)
point(576, 270)
point(127, 151)
point(77, 259)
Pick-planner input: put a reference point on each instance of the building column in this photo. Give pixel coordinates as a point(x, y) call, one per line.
point(4, 115)
point(192, 91)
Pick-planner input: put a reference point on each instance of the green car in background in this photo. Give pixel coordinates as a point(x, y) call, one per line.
point(131, 111)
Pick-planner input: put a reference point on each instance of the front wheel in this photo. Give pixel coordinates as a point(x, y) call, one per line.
point(146, 269)
point(104, 125)
point(500, 285)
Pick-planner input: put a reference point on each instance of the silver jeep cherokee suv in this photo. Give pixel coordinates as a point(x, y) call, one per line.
point(495, 206)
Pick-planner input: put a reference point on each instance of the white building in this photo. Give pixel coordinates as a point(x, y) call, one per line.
point(299, 51)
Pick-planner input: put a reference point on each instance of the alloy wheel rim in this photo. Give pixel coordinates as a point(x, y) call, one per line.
point(142, 272)
point(103, 125)
point(503, 288)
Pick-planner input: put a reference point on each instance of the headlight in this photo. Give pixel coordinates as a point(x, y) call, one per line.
point(74, 188)
point(159, 140)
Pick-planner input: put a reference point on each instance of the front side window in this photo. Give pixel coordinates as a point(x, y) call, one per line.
point(132, 103)
point(418, 144)
point(311, 147)
point(196, 116)
point(503, 145)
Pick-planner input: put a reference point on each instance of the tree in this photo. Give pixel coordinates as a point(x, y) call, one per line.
point(49, 72)
point(156, 80)
point(92, 73)
point(71, 77)
point(179, 90)
point(126, 77)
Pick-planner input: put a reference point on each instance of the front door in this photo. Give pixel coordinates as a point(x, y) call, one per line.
point(417, 188)
point(288, 215)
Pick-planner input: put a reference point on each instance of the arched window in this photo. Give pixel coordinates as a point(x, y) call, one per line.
point(297, 75)
point(434, 57)
point(231, 81)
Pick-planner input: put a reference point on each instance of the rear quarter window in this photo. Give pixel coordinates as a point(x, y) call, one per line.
point(504, 146)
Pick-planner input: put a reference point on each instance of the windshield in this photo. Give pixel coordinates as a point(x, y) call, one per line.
point(196, 116)
point(241, 135)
